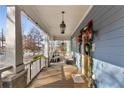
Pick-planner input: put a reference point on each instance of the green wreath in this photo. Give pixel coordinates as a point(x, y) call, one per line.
point(87, 48)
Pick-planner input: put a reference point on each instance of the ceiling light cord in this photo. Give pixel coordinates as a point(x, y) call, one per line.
point(63, 15)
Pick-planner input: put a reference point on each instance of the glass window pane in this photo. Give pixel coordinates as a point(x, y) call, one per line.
point(2, 33)
point(34, 40)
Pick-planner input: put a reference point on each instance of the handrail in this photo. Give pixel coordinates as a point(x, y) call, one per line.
point(4, 68)
point(33, 61)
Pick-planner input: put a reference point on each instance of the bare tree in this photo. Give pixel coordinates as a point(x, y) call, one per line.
point(2, 40)
point(33, 40)
point(36, 36)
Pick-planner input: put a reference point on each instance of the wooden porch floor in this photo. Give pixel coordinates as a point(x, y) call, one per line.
point(53, 78)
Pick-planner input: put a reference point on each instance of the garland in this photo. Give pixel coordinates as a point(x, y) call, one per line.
point(87, 31)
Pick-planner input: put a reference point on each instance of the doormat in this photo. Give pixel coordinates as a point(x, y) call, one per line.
point(77, 78)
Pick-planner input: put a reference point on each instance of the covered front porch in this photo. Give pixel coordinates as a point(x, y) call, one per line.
point(62, 46)
point(47, 62)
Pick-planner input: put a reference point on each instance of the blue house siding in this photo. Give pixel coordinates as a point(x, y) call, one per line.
point(108, 75)
point(109, 44)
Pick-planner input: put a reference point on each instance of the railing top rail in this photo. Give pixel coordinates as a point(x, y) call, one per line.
point(5, 67)
point(33, 61)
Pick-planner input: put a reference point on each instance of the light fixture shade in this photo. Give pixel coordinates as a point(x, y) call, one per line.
point(62, 27)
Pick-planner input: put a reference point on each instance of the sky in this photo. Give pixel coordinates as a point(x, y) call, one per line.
point(2, 17)
point(26, 24)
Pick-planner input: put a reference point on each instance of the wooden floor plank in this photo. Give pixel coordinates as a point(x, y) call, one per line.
point(53, 77)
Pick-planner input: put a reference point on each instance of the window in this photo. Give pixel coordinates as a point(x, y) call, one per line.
point(2, 33)
point(34, 39)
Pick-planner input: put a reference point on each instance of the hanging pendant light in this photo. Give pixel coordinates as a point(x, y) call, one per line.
point(62, 25)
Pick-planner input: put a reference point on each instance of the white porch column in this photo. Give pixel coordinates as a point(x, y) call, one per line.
point(14, 52)
point(68, 46)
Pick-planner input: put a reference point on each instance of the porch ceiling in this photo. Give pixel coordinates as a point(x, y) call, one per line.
point(49, 17)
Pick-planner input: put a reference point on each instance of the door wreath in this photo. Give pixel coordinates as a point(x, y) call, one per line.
point(87, 48)
point(87, 31)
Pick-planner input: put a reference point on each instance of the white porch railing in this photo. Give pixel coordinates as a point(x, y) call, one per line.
point(34, 68)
